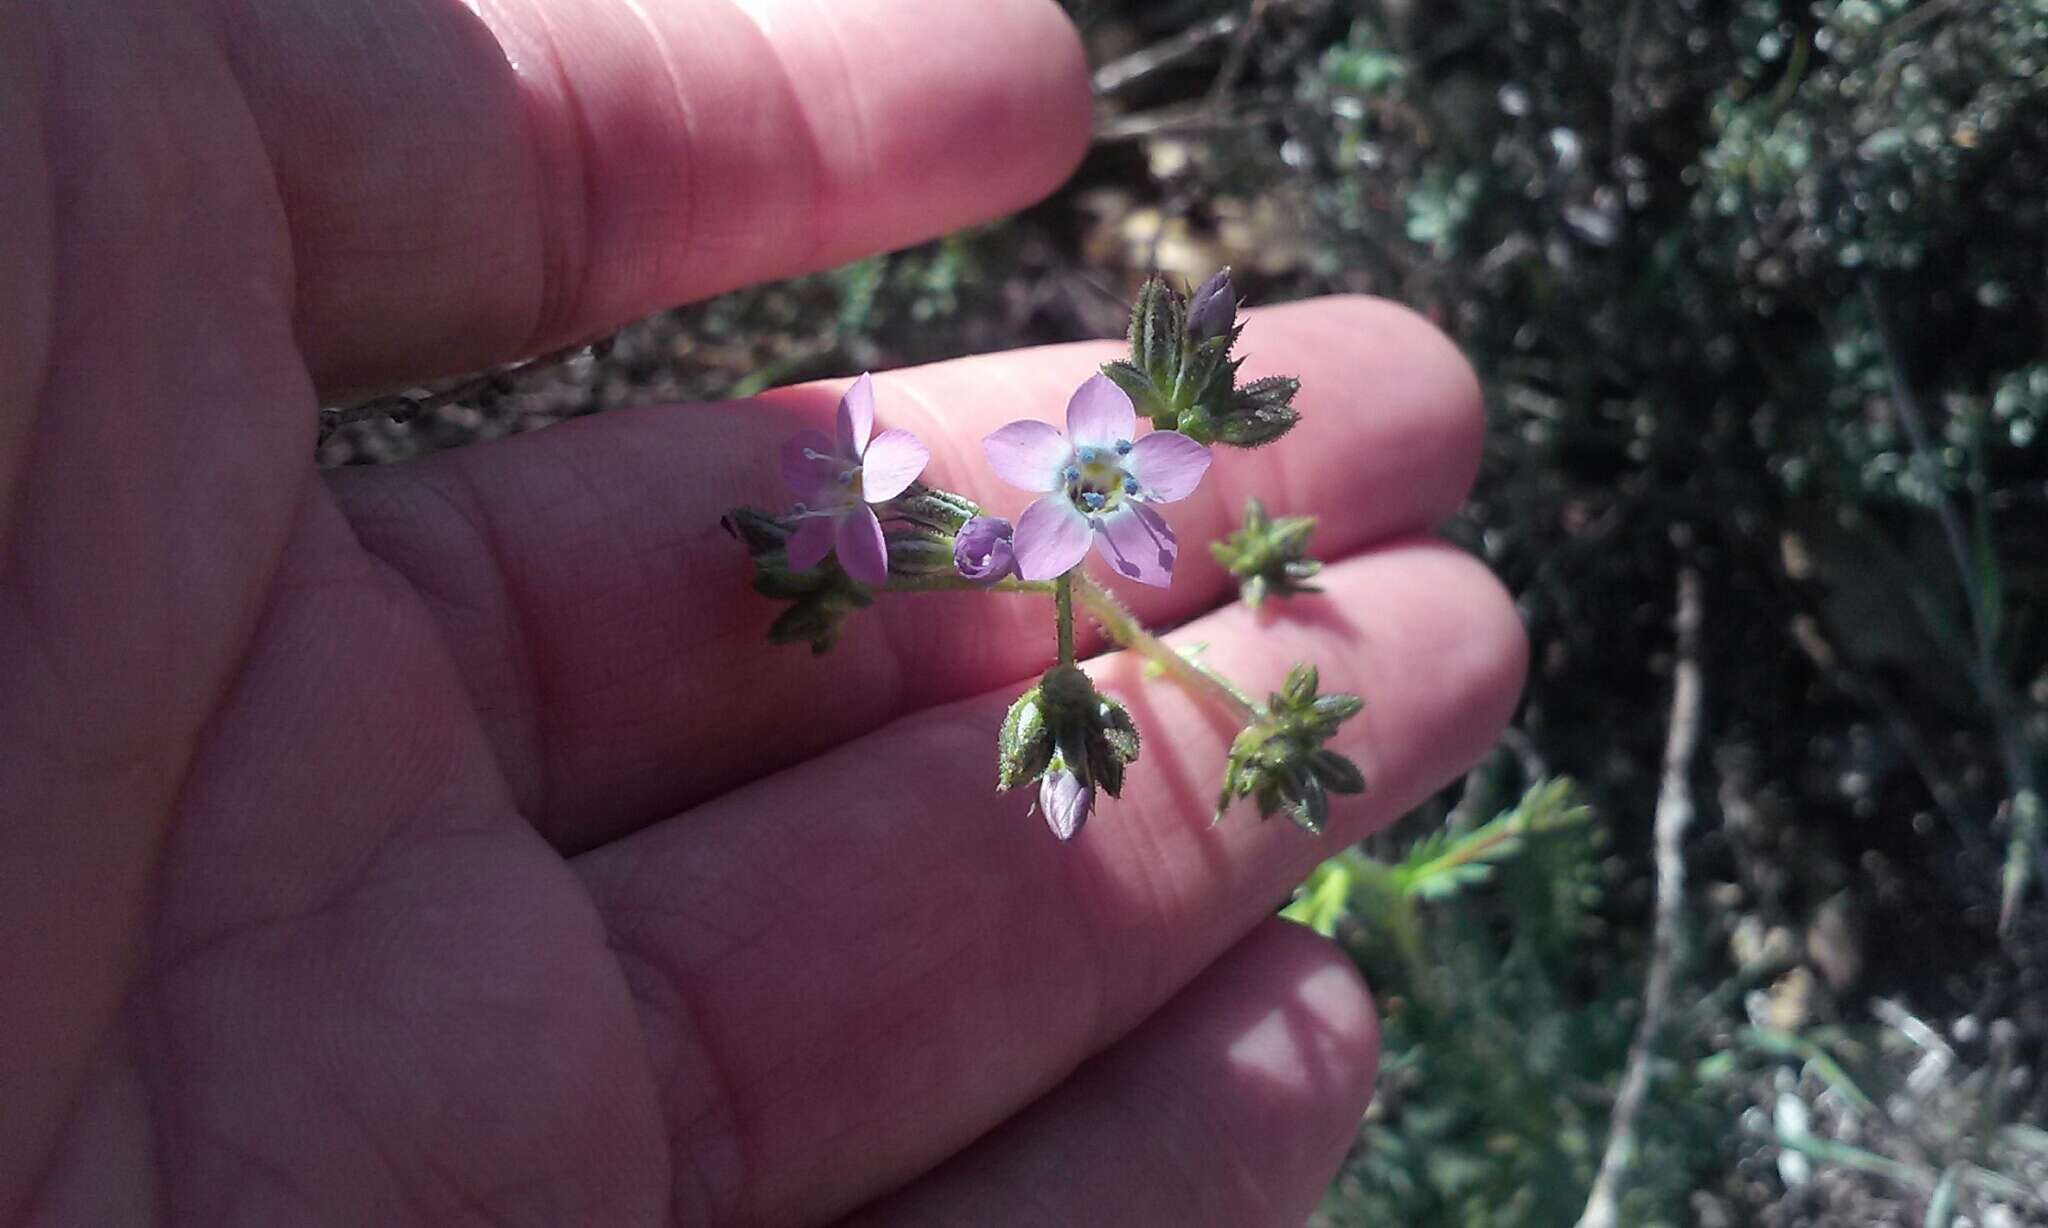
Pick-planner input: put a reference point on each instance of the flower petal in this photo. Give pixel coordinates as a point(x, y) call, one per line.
point(1028, 455)
point(1100, 415)
point(891, 463)
point(805, 475)
point(1066, 802)
point(811, 542)
point(1168, 465)
point(857, 416)
point(1052, 536)
point(857, 536)
point(1138, 543)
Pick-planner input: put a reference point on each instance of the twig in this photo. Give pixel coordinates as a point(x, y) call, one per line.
point(1622, 100)
point(1908, 22)
point(1674, 815)
point(2025, 797)
point(1120, 73)
point(1178, 120)
point(1234, 62)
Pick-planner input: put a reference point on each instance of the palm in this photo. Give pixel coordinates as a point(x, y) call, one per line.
point(441, 842)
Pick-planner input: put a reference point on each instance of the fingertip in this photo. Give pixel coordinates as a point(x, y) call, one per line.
point(996, 124)
point(1463, 656)
point(1068, 90)
point(1332, 992)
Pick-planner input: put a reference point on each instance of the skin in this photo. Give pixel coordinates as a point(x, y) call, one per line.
point(444, 843)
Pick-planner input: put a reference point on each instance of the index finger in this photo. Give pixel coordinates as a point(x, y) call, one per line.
point(472, 182)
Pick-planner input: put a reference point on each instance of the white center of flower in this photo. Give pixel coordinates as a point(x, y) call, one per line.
point(844, 485)
point(1096, 480)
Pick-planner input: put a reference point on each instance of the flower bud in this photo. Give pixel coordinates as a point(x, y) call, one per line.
point(939, 510)
point(1066, 800)
point(1268, 556)
point(919, 552)
point(1158, 328)
point(1212, 313)
point(983, 551)
point(1279, 759)
point(757, 530)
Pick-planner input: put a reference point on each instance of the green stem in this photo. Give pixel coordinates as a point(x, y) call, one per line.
point(1125, 629)
point(1063, 605)
point(955, 584)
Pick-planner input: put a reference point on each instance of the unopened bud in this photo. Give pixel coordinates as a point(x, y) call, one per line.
point(1212, 313)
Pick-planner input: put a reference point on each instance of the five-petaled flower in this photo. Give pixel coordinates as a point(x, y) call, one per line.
point(837, 479)
point(1097, 482)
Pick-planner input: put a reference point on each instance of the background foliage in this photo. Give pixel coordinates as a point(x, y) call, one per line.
point(1759, 290)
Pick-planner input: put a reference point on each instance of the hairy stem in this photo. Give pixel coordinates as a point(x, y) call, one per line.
point(1124, 628)
point(1063, 607)
point(956, 584)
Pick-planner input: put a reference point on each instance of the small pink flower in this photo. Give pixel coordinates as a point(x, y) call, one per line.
point(837, 479)
point(1099, 483)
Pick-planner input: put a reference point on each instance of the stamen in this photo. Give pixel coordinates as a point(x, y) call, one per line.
point(1070, 474)
point(1093, 500)
point(1123, 447)
point(1087, 455)
point(1130, 485)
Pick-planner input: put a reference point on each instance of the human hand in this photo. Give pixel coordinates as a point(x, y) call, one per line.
point(443, 842)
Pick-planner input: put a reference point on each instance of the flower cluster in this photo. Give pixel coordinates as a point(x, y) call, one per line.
point(1268, 556)
point(862, 521)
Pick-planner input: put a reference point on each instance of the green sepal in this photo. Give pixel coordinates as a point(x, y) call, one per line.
point(1065, 721)
point(939, 510)
point(1158, 330)
point(1338, 774)
point(919, 552)
point(818, 619)
point(1024, 747)
point(1144, 396)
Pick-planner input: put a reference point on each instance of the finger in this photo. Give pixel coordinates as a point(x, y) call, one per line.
point(606, 625)
point(850, 969)
point(472, 182)
point(1231, 1106)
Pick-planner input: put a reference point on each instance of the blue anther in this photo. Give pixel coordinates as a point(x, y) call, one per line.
point(1123, 447)
point(1130, 485)
point(1087, 455)
point(1093, 500)
point(1070, 474)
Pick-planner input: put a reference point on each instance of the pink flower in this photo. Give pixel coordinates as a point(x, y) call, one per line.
point(837, 479)
point(1099, 485)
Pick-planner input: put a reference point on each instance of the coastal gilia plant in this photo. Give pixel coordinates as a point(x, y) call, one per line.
point(862, 523)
